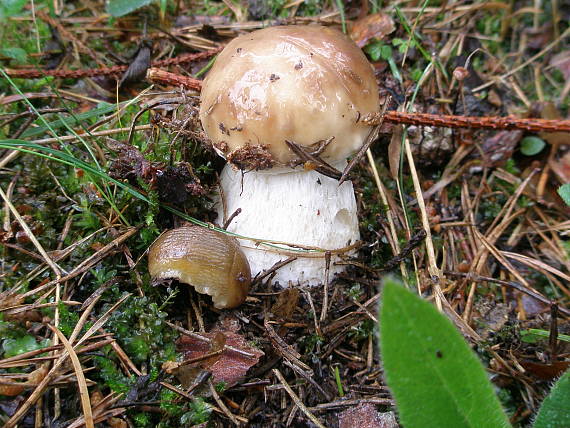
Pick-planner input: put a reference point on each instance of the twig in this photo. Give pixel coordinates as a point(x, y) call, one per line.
point(296, 399)
point(273, 268)
point(231, 218)
point(414, 242)
point(284, 349)
point(201, 338)
point(433, 270)
point(366, 146)
point(83, 392)
point(315, 162)
point(106, 71)
point(222, 405)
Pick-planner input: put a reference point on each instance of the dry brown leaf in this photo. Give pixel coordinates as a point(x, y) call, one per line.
point(286, 303)
point(394, 151)
point(499, 147)
point(229, 366)
point(374, 26)
point(545, 371)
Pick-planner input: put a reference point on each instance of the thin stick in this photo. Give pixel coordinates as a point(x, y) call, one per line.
point(396, 245)
point(83, 392)
point(433, 269)
point(324, 308)
point(222, 405)
point(296, 399)
point(201, 338)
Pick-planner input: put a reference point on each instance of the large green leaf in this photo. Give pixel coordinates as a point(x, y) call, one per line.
point(436, 380)
point(123, 7)
point(555, 409)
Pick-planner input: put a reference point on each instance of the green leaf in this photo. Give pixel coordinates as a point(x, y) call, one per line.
point(554, 410)
point(374, 50)
point(20, 345)
point(386, 52)
point(436, 379)
point(532, 334)
point(531, 146)
point(10, 8)
point(564, 192)
point(18, 54)
point(122, 7)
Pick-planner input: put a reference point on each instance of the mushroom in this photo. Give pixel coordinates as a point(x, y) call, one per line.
point(210, 261)
point(309, 86)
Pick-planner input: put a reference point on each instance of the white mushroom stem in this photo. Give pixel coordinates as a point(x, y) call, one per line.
point(294, 206)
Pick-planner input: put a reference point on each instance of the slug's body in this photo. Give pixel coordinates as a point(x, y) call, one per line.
point(210, 261)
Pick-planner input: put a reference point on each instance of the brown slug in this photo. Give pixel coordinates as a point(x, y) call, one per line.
point(210, 261)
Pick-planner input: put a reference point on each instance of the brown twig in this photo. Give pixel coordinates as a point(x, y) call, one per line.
point(107, 71)
point(296, 399)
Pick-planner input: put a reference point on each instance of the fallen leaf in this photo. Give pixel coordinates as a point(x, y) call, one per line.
point(365, 415)
point(139, 65)
point(538, 38)
point(499, 147)
point(286, 303)
point(533, 307)
point(395, 150)
point(229, 366)
point(545, 371)
point(374, 26)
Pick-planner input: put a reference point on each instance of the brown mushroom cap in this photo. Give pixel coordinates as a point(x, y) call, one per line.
point(300, 83)
point(212, 262)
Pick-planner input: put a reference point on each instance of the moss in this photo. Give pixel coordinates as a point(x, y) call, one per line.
point(141, 329)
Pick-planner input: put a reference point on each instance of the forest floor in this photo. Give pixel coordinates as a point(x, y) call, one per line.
point(96, 161)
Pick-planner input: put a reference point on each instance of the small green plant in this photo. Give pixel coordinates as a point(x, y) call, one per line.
point(378, 50)
point(531, 145)
point(199, 412)
point(564, 192)
point(221, 386)
point(533, 335)
point(436, 379)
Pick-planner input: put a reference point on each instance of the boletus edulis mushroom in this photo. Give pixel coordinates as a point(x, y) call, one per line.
point(306, 85)
point(210, 261)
